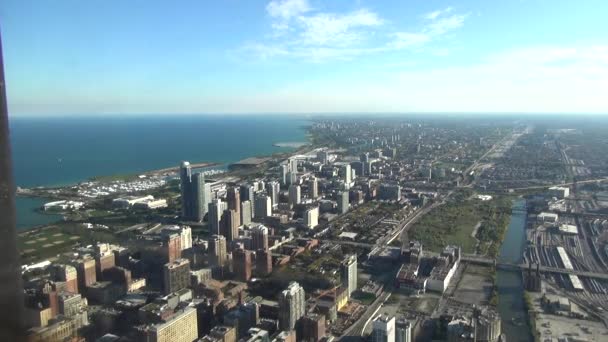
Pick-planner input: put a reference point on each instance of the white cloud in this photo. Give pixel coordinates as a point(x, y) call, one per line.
point(404, 40)
point(287, 9)
point(334, 29)
point(539, 79)
point(299, 31)
point(435, 14)
point(443, 25)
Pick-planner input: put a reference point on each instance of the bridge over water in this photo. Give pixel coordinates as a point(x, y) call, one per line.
point(474, 259)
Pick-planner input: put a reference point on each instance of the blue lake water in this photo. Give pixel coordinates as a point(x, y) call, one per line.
point(69, 149)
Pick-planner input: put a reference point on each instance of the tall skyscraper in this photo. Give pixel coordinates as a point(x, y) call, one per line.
point(216, 209)
point(247, 192)
point(242, 264)
point(259, 238)
point(86, 272)
point(230, 228)
point(295, 196)
point(311, 217)
point(346, 173)
point(246, 211)
point(263, 262)
point(313, 188)
point(404, 330)
point(383, 329)
point(11, 286)
point(323, 157)
point(348, 274)
point(343, 202)
point(284, 171)
point(311, 328)
point(292, 305)
point(263, 206)
point(195, 193)
point(217, 250)
point(67, 274)
point(233, 197)
point(293, 165)
point(273, 190)
point(176, 275)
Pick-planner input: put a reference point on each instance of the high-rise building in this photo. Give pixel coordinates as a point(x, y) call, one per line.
point(311, 217)
point(295, 195)
point(86, 272)
point(216, 209)
point(383, 329)
point(284, 172)
point(176, 275)
point(247, 192)
point(230, 228)
point(242, 264)
point(181, 327)
point(233, 197)
point(217, 250)
point(346, 173)
point(364, 158)
point(195, 193)
point(185, 235)
point(259, 237)
point(263, 205)
point(391, 192)
point(313, 188)
point(263, 262)
point(273, 190)
point(70, 304)
point(292, 178)
point(403, 330)
point(293, 165)
point(292, 305)
point(202, 192)
point(172, 245)
point(103, 261)
point(246, 212)
point(311, 328)
point(223, 333)
point(67, 274)
point(348, 274)
point(343, 202)
point(323, 157)
point(243, 318)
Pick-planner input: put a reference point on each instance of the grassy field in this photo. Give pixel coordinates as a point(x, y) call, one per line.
point(454, 222)
point(44, 243)
point(48, 242)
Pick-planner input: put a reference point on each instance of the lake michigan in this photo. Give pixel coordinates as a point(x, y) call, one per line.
point(63, 150)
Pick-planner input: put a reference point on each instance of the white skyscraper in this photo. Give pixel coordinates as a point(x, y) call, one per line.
point(348, 273)
point(284, 171)
point(295, 195)
point(292, 306)
point(273, 188)
point(383, 329)
point(311, 217)
point(346, 174)
point(343, 202)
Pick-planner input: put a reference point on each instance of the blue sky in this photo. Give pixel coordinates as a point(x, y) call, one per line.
point(305, 56)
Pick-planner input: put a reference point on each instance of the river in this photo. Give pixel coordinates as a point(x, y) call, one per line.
point(510, 283)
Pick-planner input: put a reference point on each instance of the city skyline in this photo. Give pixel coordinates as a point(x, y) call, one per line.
point(304, 56)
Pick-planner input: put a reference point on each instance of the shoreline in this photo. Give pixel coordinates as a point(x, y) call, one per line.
point(31, 192)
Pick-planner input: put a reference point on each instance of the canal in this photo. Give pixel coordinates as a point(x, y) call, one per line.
point(510, 283)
